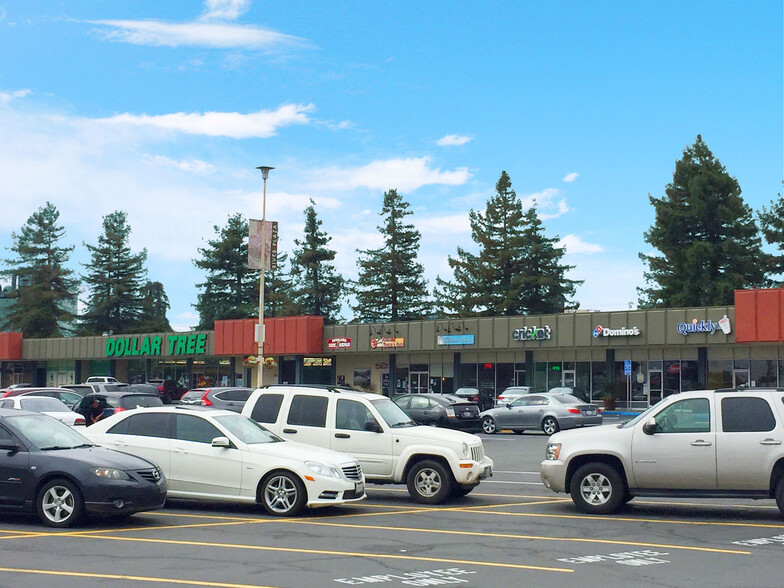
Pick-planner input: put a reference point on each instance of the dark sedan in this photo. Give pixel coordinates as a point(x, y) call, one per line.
point(227, 397)
point(49, 468)
point(441, 410)
point(545, 412)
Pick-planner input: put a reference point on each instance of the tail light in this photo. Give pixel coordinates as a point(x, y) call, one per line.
point(573, 410)
point(450, 411)
point(204, 400)
point(119, 409)
point(6, 394)
point(79, 421)
point(598, 411)
point(500, 398)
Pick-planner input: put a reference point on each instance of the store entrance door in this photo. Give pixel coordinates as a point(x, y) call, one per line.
point(568, 378)
point(418, 382)
point(655, 379)
point(740, 378)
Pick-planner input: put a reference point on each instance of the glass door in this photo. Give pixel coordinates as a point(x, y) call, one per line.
point(740, 378)
point(655, 391)
point(568, 378)
point(418, 382)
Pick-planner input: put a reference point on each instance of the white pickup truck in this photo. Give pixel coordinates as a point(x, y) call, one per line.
point(434, 463)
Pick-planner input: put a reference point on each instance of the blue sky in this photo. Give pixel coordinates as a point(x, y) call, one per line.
point(164, 110)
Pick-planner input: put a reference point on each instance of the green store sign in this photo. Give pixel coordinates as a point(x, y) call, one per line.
point(193, 344)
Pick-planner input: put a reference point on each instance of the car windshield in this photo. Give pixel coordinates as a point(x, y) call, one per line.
point(640, 417)
point(47, 433)
point(567, 399)
point(246, 430)
point(140, 400)
point(392, 414)
point(42, 404)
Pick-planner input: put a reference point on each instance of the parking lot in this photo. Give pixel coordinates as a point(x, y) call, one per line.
point(509, 531)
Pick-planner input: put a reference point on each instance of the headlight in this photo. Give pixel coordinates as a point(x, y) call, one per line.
point(110, 473)
point(322, 469)
point(465, 450)
point(552, 451)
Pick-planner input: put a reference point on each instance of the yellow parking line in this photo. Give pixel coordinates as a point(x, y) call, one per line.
point(528, 537)
point(129, 578)
point(330, 552)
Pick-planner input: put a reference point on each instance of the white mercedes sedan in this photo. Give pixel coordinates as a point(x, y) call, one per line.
point(221, 455)
point(52, 406)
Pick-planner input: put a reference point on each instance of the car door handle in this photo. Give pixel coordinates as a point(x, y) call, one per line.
point(770, 441)
point(342, 435)
point(289, 430)
point(701, 443)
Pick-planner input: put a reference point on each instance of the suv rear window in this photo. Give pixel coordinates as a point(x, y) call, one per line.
point(267, 408)
point(308, 411)
point(746, 414)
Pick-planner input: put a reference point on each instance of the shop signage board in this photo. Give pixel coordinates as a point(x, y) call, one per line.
point(456, 339)
point(705, 326)
point(191, 344)
point(532, 333)
point(339, 343)
point(388, 342)
point(601, 331)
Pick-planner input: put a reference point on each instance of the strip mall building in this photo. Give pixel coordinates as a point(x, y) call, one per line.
point(638, 354)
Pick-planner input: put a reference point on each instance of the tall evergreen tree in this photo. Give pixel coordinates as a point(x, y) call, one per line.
point(278, 290)
point(318, 289)
point(772, 225)
point(391, 284)
point(709, 244)
point(517, 270)
point(45, 306)
point(115, 278)
point(231, 290)
point(155, 303)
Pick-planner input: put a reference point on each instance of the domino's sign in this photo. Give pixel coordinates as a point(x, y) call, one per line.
point(601, 331)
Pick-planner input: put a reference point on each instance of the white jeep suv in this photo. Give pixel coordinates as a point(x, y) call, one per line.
point(434, 463)
point(711, 443)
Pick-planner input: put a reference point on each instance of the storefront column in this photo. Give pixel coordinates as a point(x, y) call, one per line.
point(529, 368)
point(609, 368)
point(390, 391)
point(148, 369)
point(77, 372)
point(189, 373)
point(456, 370)
point(112, 368)
point(232, 368)
point(702, 367)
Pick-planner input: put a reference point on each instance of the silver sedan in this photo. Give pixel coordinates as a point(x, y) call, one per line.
point(546, 412)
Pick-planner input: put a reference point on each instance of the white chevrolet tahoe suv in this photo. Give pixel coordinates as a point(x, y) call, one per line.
point(434, 463)
point(726, 443)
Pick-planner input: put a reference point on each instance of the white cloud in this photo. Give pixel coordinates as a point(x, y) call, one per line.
point(224, 9)
point(404, 175)
point(545, 205)
point(453, 140)
point(569, 178)
point(563, 208)
point(440, 225)
point(195, 34)
point(261, 124)
point(6, 97)
point(575, 245)
point(189, 165)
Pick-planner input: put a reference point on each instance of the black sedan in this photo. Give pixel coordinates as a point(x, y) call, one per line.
point(441, 410)
point(49, 468)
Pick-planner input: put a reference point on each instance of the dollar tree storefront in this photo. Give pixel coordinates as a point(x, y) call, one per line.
point(636, 356)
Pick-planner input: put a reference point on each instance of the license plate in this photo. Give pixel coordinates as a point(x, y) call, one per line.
point(590, 412)
point(359, 488)
point(487, 473)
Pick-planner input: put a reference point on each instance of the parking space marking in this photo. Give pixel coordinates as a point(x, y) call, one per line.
point(129, 578)
point(529, 537)
point(327, 552)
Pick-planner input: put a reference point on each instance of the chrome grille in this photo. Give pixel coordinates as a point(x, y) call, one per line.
point(153, 475)
point(477, 452)
point(353, 472)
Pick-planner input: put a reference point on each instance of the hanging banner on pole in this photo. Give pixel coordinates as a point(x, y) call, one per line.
point(262, 244)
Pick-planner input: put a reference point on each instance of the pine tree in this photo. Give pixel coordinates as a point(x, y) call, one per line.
point(318, 289)
point(391, 284)
point(115, 278)
point(231, 290)
point(278, 290)
point(517, 270)
point(709, 243)
point(43, 307)
point(155, 303)
point(772, 225)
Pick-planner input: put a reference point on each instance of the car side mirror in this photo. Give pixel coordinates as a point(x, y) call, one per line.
point(508, 405)
point(373, 427)
point(11, 448)
point(221, 442)
point(649, 428)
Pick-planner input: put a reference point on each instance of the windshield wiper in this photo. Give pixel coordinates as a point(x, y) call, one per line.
point(403, 424)
point(55, 447)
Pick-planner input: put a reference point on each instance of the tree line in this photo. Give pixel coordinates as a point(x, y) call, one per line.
point(708, 240)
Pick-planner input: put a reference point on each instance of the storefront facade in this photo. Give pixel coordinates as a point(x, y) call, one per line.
point(638, 356)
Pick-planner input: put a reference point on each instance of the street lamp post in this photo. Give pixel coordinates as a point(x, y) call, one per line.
point(260, 355)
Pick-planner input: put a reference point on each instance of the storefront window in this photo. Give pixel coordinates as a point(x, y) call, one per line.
point(719, 373)
point(689, 380)
point(468, 375)
point(671, 377)
point(540, 377)
point(519, 375)
point(582, 378)
point(487, 378)
point(598, 380)
point(504, 376)
point(763, 372)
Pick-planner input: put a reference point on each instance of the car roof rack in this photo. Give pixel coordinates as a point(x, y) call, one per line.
point(750, 389)
point(336, 388)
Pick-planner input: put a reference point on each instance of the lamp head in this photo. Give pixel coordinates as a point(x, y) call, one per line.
point(264, 171)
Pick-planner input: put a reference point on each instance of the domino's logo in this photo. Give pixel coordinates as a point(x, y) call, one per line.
point(597, 331)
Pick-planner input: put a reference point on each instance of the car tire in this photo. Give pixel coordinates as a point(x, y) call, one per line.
point(429, 482)
point(460, 491)
point(780, 494)
point(550, 426)
point(282, 494)
point(489, 426)
point(597, 488)
point(59, 503)
point(519, 431)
